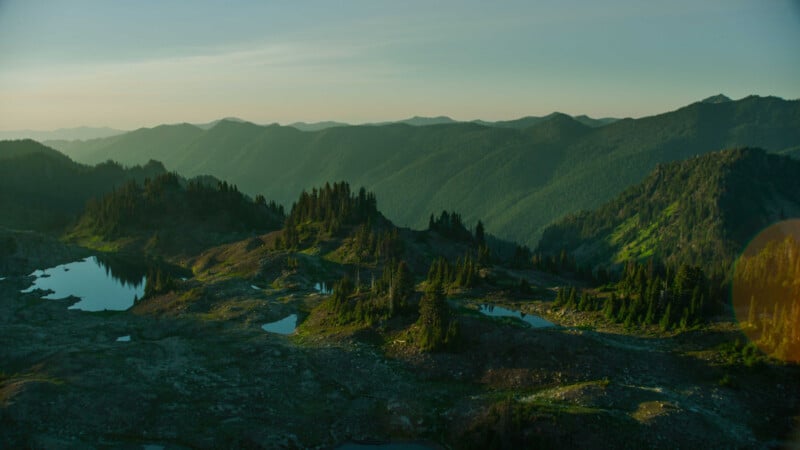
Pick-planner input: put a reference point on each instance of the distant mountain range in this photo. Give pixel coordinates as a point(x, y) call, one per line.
point(87, 133)
point(418, 121)
point(703, 210)
point(66, 134)
point(516, 179)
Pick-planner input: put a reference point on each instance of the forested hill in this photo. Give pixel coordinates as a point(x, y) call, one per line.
point(166, 214)
point(41, 189)
point(518, 180)
point(24, 147)
point(701, 211)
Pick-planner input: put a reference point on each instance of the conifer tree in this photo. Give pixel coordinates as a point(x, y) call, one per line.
point(437, 329)
point(666, 320)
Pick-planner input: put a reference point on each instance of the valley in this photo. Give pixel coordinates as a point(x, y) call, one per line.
point(399, 225)
point(191, 366)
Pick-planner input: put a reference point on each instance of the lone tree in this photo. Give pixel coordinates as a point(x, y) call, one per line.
point(480, 234)
point(438, 330)
point(402, 288)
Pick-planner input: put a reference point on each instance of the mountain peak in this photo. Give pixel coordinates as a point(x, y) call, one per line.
point(556, 127)
point(213, 123)
point(719, 98)
point(423, 121)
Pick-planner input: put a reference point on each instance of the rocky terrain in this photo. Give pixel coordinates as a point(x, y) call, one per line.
point(199, 372)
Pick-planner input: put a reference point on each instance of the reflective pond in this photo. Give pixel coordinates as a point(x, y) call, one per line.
point(286, 325)
point(531, 319)
point(98, 285)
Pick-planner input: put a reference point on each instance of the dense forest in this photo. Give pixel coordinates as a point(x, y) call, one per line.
point(164, 209)
point(649, 294)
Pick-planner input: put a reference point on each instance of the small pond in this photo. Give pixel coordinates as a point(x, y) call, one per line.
point(126, 338)
point(531, 319)
point(323, 288)
point(98, 285)
point(286, 325)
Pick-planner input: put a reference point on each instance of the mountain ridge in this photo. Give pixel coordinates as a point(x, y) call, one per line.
point(517, 180)
point(702, 210)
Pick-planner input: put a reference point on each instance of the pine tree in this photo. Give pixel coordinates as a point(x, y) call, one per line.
point(572, 298)
point(684, 323)
point(404, 284)
point(583, 303)
point(560, 298)
point(650, 317)
point(480, 237)
point(666, 320)
point(610, 305)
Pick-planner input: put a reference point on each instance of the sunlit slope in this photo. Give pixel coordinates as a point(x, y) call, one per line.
point(700, 211)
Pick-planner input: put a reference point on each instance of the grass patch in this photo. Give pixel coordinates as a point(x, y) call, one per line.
point(642, 242)
point(11, 385)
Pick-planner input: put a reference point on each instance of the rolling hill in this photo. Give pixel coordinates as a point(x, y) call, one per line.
point(699, 211)
point(517, 180)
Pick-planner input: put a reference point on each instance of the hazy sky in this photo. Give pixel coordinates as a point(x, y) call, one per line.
point(128, 64)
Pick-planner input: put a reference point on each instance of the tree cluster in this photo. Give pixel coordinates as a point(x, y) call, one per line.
point(372, 243)
point(647, 295)
point(450, 225)
point(463, 274)
point(334, 207)
point(384, 298)
point(163, 201)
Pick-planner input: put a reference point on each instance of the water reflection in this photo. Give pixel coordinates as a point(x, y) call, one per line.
point(531, 319)
point(94, 282)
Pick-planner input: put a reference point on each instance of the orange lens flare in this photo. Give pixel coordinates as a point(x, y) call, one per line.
point(766, 290)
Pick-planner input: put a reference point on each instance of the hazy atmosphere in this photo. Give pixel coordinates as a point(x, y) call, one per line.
point(132, 64)
point(374, 225)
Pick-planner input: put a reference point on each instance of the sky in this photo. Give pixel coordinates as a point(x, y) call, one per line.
point(133, 64)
